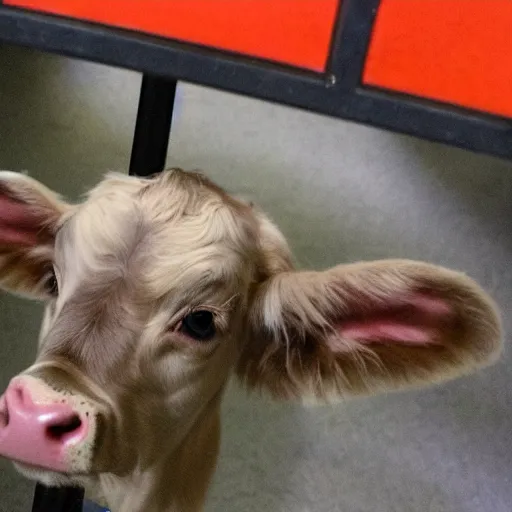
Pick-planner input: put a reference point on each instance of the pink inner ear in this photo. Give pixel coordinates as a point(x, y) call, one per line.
point(386, 332)
point(18, 225)
point(417, 322)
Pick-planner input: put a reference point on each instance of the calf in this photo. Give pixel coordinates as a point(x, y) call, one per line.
point(157, 290)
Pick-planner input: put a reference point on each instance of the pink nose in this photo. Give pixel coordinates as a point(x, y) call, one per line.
point(37, 433)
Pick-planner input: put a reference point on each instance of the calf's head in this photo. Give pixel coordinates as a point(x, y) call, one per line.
point(158, 289)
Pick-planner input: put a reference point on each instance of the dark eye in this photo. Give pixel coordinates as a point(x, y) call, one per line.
point(199, 325)
point(51, 286)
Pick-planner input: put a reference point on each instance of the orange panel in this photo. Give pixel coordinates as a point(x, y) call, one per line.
point(455, 51)
point(294, 32)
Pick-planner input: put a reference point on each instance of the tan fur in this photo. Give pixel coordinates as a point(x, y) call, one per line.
point(139, 254)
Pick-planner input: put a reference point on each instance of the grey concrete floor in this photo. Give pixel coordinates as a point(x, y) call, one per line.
point(341, 192)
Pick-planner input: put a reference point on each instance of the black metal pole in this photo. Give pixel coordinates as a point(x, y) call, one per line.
point(153, 126)
point(57, 499)
point(149, 152)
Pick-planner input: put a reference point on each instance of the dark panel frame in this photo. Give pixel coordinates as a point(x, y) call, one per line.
point(337, 93)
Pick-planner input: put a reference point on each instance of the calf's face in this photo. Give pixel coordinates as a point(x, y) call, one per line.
point(158, 289)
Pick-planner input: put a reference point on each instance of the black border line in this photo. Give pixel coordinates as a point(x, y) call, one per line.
point(336, 93)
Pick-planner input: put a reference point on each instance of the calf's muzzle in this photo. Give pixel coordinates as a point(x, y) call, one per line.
point(45, 428)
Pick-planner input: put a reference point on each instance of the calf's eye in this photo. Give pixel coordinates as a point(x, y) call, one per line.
point(199, 325)
point(51, 285)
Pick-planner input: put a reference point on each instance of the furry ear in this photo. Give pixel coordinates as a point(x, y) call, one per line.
point(368, 327)
point(29, 217)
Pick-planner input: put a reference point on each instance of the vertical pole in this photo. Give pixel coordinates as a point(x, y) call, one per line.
point(153, 125)
point(57, 499)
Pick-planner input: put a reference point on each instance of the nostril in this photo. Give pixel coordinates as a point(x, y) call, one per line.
point(4, 418)
point(4, 415)
point(4, 412)
point(63, 429)
point(19, 393)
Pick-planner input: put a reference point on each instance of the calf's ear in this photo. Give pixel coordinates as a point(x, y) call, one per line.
point(29, 218)
point(366, 328)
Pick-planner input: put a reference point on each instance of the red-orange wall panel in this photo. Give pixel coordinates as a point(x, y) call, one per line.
point(454, 51)
point(293, 32)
